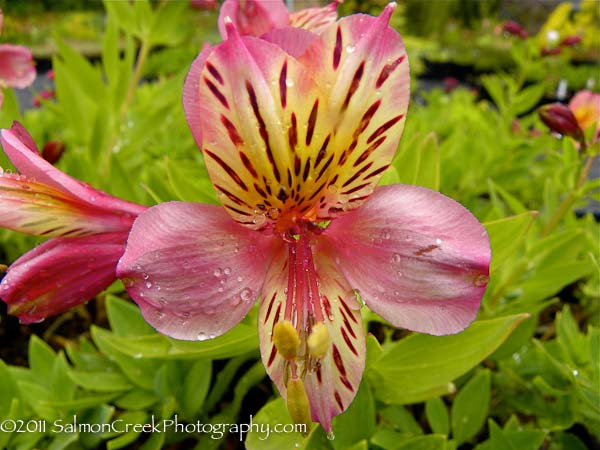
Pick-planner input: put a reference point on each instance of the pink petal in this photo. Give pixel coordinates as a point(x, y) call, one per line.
point(332, 383)
point(315, 19)
point(419, 259)
point(59, 274)
point(21, 150)
point(34, 208)
point(585, 105)
point(294, 41)
point(253, 17)
point(191, 95)
point(361, 63)
point(17, 67)
point(192, 270)
point(258, 145)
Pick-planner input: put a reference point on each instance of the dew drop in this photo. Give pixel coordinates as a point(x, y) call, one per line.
point(246, 294)
point(148, 284)
point(218, 272)
point(186, 314)
point(227, 270)
point(159, 314)
point(202, 336)
point(289, 82)
point(235, 301)
point(386, 235)
point(137, 355)
point(438, 241)
point(350, 48)
point(396, 258)
point(146, 276)
point(220, 289)
point(330, 436)
point(273, 213)
point(332, 188)
point(239, 279)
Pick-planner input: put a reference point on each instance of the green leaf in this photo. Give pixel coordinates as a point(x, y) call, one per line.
point(273, 414)
point(100, 381)
point(128, 417)
point(357, 423)
point(506, 234)
point(428, 442)
point(437, 416)
point(420, 362)
point(400, 419)
point(470, 407)
point(41, 359)
point(195, 388)
point(527, 99)
point(420, 165)
point(570, 339)
point(125, 318)
point(8, 390)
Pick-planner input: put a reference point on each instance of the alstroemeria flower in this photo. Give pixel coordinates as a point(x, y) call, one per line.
point(257, 17)
point(585, 105)
point(17, 68)
point(295, 135)
point(89, 230)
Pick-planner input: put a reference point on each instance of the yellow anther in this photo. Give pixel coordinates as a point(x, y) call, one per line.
point(286, 340)
point(319, 340)
point(297, 403)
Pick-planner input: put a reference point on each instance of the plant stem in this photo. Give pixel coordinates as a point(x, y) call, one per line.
point(569, 199)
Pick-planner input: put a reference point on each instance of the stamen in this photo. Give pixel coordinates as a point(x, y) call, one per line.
point(297, 403)
point(319, 340)
point(285, 339)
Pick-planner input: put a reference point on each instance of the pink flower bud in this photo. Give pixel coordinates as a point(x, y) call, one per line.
point(560, 119)
point(570, 41)
point(514, 28)
point(548, 51)
point(450, 83)
point(52, 151)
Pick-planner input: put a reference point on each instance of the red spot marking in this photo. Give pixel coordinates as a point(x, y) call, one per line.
point(324, 168)
point(215, 91)
point(262, 129)
point(383, 128)
point(231, 196)
point(293, 133)
point(318, 373)
point(338, 399)
point(356, 199)
point(350, 330)
point(283, 85)
point(348, 341)
point(334, 179)
point(346, 383)
point(366, 118)
point(272, 356)
point(318, 190)
point(215, 73)
point(234, 176)
point(337, 359)
point(347, 309)
point(326, 306)
point(282, 195)
point(337, 50)
point(357, 174)
point(238, 211)
point(364, 155)
point(355, 189)
point(277, 313)
point(270, 307)
point(232, 131)
point(248, 165)
point(354, 84)
point(424, 250)
point(289, 179)
point(312, 120)
point(386, 71)
point(322, 151)
point(297, 165)
point(262, 193)
point(377, 171)
point(306, 170)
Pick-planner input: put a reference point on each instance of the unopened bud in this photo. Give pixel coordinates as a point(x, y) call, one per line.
point(297, 403)
point(550, 51)
point(560, 119)
point(514, 28)
point(570, 41)
point(52, 151)
point(319, 340)
point(286, 340)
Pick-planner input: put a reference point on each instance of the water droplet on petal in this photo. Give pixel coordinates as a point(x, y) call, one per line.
point(202, 336)
point(239, 279)
point(148, 284)
point(396, 258)
point(386, 235)
point(186, 314)
point(218, 272)
point(246, 294)
point(159, 314)
point(350, 48)
point(227, 270)
point(330, 436)
point(289, 82)
point(332, 188)
point(481, 280)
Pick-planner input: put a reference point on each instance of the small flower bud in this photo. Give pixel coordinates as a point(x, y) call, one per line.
point(319, 340)
point(570, 41)
point(52, 151)
point(560, 119)
point(286, 340)
point(514, 28)
point(550, 51)
point(297, 403)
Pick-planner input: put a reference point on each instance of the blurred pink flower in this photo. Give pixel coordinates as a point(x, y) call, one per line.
point(296, 134)
point(17, 67)
point(88, 228)
point(514, 28)
point(257, 17)
point(585, 105)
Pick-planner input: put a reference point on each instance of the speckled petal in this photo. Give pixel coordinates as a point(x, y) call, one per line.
point(253, 17)
point(419, 259)
point(193, 271)
point(17, 67)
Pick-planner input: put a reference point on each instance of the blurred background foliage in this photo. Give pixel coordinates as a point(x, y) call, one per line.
point(524, 376)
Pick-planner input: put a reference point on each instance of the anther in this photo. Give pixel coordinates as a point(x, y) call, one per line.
point(286, 340)
point(319, 340)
